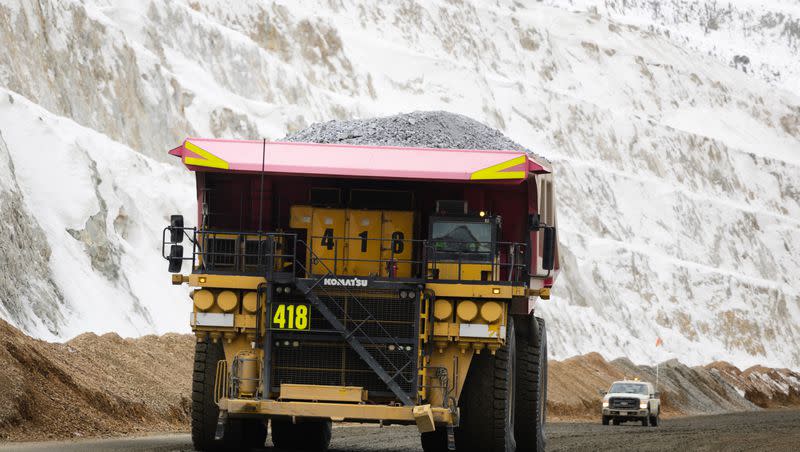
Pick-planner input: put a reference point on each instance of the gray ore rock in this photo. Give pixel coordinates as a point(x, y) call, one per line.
point(430, 129)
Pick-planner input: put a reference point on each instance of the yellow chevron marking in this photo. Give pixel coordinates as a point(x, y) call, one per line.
point(208, 159)
point(496, 171)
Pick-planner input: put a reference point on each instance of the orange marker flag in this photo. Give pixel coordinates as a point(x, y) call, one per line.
point(659, 342)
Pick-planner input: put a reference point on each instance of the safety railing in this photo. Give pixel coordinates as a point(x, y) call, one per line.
point(361, 256)
point(254, 253)
point(427, 259)
point(227, 252)
point(476, 261)
point(221, 383)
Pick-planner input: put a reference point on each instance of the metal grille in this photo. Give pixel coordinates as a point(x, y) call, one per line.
point(623, 403)
point(335, 363)
point(320, 356)
point(397, 316)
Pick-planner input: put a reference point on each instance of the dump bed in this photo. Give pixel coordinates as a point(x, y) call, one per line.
point(251, 185)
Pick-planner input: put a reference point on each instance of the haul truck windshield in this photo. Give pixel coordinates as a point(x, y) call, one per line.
point(361, 284)
point(453, 239)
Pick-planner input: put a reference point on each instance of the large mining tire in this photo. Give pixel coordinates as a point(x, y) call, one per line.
point(306, 436)
point(239, 433)
point(487, 400)
point(204, 410)
point(531, 410)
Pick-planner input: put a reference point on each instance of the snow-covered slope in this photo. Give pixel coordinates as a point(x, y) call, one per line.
point(760, 37)
point(80, 215)
point(678, 175)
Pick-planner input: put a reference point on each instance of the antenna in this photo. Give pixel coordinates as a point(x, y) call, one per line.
point(261, 190)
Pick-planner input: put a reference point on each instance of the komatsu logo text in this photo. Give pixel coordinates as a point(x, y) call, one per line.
point(345, 282)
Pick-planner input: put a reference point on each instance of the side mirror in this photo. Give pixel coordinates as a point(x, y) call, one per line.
point(601, 392)
point(175, 258)
point(534, 220)
point(549, 248)
point(176, 229)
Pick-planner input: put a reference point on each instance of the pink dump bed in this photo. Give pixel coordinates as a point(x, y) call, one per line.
point(357, 161)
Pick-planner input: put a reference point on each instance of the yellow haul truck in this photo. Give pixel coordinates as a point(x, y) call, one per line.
point(338, 283)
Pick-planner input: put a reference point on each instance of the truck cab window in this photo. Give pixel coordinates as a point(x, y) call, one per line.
point(460, 240)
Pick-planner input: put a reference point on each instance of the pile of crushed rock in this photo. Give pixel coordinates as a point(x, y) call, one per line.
point(429, 129)
point(93, 385)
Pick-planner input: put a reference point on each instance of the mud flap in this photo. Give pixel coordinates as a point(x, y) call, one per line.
point(451, 438)
point(221, 421)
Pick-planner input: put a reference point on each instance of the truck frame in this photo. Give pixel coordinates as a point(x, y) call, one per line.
point(374, 284)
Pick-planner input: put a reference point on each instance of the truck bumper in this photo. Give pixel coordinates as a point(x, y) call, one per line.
point(625, 413)
point(338, 412)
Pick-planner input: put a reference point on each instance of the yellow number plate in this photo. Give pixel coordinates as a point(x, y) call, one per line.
point(291, 316)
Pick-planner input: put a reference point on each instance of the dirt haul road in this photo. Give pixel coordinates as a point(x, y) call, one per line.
point(754, 431)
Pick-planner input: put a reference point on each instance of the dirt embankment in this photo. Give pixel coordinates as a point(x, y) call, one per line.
point(93, 385)
point(105, 385)
point(715, 388)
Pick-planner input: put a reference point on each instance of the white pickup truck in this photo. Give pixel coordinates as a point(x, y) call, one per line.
point(631, 401)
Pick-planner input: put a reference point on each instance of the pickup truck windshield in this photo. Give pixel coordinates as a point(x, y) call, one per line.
point(453, 240)
point(628, 388)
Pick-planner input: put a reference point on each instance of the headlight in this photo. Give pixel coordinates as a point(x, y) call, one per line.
point(605, 403)
point(643, 404)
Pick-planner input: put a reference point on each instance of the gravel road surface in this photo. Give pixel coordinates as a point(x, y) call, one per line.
point(754, 431)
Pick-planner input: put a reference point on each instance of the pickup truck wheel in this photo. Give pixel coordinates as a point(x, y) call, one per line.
point(307, 436)
point(654, 421)
point(531, 409)
point(644, 422)
point(605, 420)
point(487, 400)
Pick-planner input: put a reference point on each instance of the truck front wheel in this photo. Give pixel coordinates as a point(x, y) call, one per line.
point(239, 433)
point(487, 400)
point(605, 420)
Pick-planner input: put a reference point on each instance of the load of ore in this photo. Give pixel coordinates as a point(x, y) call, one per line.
point(429, 129)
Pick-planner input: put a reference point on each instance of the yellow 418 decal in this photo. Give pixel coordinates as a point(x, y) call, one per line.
point(290, 317)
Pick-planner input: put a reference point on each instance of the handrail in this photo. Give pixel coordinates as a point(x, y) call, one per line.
point(425, 259)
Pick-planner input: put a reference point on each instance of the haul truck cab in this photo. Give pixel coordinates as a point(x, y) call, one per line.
point(366, 284)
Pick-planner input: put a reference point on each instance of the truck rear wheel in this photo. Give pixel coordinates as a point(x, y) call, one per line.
point(531, 409)
point(308, 436)
point(487, 400)
point(239, 433)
